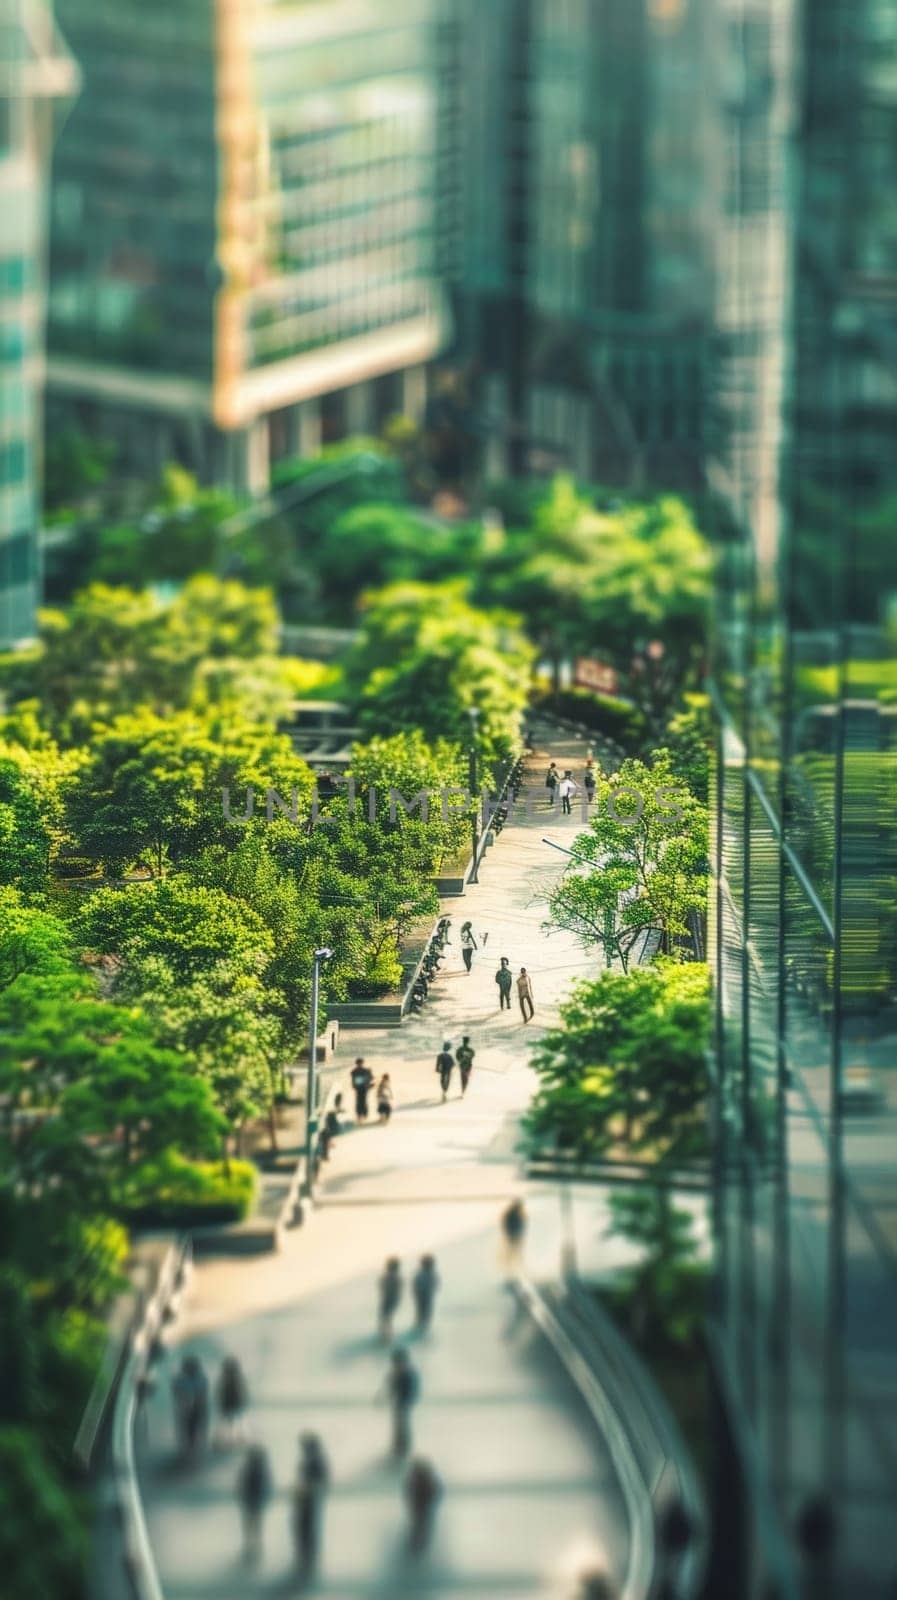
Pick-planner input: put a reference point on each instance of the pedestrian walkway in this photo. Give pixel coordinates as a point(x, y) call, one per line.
point(530, 1495)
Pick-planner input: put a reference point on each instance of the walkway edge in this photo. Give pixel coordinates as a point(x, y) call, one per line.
point(640, 1570)
point(139, 1562)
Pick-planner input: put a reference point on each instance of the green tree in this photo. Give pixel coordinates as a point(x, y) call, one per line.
point(46, 770)
point(371, 546)
point(152, 786)
point(74, 466)
point(630, 583)
point(627, 1066)
point(115, 649)
point(32, 940)
point(217, 1023)
point(24, 840)
point(190, 926)
point(690, 742)
point(198, 962)
point(43, 1544)
point(664, 1290)
point(427, 656)
point(174, 538)
point(648, 840)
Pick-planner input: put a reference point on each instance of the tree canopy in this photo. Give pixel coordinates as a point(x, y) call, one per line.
point(648, 842)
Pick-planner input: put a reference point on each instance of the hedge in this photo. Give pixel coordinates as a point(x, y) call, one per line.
point(174, 1193)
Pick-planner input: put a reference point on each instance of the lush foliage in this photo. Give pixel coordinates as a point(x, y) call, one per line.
point(626, 1069)
point(427, 657)
point(647, 839)
point(663, 1295)
point(174, 1193)
point(628, 582)
point(91, 1099)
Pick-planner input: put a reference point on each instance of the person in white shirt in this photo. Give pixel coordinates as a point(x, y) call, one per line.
point(567, 791)
point(468, 944)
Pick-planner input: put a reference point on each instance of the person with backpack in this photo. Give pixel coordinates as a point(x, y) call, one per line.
point(504, 977)
point(552, 780)
point(464, 1058)
point(445, 1062)
point(362, 1079)
point(402, 1388)
point(589, 780)
point(389, 1291)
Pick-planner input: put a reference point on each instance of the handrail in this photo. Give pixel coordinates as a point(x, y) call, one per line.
point(656, 1416)
point(139, 1562)
point(639, 1511)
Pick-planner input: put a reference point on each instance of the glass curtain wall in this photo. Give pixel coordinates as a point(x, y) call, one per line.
point(805, 842)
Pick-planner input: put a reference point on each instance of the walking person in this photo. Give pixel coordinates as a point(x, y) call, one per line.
point(362, 1079)
point(389, 1293)
point(513, 1227)
point(422, 1492)
point(589, 780)
point(525, 995)
point(402, 1388)
point(464, 1057)
point(552, 780)
point(384, 1098)
point(232, 1398)
point(190, 1390)
point(424, 1286)
point(445, 1062)
point(253, 1494)
point(504, 977)
point(567, 791)
point(468, 944)
point(312, 1483)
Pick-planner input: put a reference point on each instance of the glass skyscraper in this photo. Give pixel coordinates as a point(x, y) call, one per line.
point(585, 276)
point(34, 70)
point(244, 222)
point(805, 828)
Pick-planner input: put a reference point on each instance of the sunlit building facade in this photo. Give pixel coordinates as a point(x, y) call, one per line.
point(805, 827)
point(244, 255)
point(35, 73)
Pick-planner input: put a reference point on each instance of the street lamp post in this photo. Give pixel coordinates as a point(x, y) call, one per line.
point(311, 1092)
point(472, 778)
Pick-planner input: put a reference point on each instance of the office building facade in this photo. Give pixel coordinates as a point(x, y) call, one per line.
point(244, 226)
point(35, 74)
point(804, 841)
point(584, 284)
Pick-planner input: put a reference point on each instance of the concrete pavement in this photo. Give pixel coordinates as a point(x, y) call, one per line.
point(530, 1495)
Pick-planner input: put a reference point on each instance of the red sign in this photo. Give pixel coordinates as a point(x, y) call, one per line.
point(597, 675)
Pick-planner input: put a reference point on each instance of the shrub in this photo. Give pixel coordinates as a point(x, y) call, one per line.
point(174, 1193)
point(382, 975)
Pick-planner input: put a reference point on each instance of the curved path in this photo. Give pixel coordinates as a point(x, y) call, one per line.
point(530, 1494)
